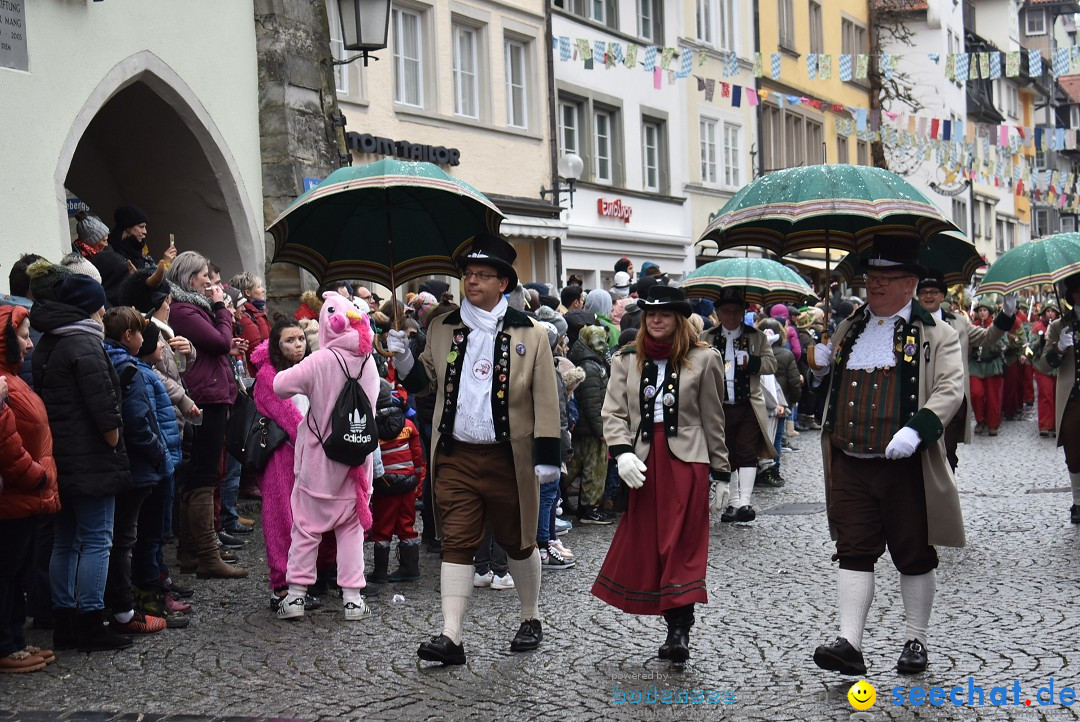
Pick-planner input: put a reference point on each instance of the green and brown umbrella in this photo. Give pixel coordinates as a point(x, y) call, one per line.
point(760, 280)
point(950, 255)
point(1046, 260)
point(389, 221)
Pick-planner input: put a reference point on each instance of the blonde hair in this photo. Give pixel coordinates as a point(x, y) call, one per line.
point(682, 341)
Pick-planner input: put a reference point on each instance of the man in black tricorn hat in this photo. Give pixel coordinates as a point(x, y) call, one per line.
point(495, 437)
point(747, 356)
point(897, 379)
point(931, 292)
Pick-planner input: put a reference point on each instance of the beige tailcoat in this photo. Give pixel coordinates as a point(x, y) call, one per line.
point(535, 434)
point(762, 350)
point(974, 336)
point(700, 434)
point(1066, 371)
point(941, 390)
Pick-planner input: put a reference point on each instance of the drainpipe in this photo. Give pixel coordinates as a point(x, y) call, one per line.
point(553, 132)
point(757, 86)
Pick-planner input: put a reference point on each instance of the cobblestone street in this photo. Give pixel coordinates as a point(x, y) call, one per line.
point(1006, 610)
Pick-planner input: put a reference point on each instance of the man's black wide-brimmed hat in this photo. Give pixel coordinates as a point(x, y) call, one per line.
point(666, 298)
point(490, 250)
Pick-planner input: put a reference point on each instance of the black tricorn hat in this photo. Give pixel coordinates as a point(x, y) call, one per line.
point(490, 250)
point(894, 251)
point(933, 279)
point(728, 296)
point(666, 298)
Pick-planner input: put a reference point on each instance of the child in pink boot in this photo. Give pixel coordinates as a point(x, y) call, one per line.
point(329, 496)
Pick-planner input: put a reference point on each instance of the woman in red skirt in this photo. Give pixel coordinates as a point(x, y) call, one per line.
point(663, 406)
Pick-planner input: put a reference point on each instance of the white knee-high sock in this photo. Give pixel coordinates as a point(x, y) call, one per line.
point(918, 590)
point(456, 585)
point(1075, 479)
point(526, 573)
point(856, 594)
point(733, 489)
point(747, 475)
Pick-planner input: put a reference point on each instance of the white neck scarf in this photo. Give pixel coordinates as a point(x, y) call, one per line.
point(473, 422)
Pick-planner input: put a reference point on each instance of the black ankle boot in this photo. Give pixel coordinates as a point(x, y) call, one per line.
point(382, 562)
point(93, 635)
point(408, 564)
point(676, 648)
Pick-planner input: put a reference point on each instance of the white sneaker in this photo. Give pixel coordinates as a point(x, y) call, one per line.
point(482, 580)
point(562, 526)
point(504, 582)
point(355, 612)
point(562, 549)
point(290, 607)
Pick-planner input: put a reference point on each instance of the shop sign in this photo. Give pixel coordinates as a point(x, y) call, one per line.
point(401, 149)
point(614, 209)
point(13, 52)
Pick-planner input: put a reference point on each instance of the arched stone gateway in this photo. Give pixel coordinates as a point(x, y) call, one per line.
point(143, 137)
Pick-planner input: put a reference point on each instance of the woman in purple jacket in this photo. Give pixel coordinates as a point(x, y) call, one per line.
point(198, 313)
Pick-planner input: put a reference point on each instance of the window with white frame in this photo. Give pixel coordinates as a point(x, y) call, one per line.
point(852, 37)
point(817, 28)
point(960, 214)
point(601, 11)
point(1035, 22)
point(704, 17)
point(652, 133)
point(785, 16)
point(408, 57)
point(862, 152)
point(1043, 223)
point(598, 11)
point(732, 176)
point(988, 219)
point(337, 47)
point(517, 90)
point(789, 138)
point(1068, 224)
point(650, 23)
point(466, 72)
point(1074, 116)
point(707, 142)
point(602, 146)
point(1001, 242)
point(955, 46)
point(842, 151)
point(727, 32)
point(569, 128)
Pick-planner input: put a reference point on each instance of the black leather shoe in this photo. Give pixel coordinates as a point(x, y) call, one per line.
point(913, 658)
point(528, 636)
point(677, 647)
point(441, 649)
point(840, 657)
point(728, 515)
point(745, 513)
point(1074, 514)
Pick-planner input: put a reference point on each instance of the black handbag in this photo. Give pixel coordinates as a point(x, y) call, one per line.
point(251, 437)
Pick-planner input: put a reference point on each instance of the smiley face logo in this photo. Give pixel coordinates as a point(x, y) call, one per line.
point(862, 695)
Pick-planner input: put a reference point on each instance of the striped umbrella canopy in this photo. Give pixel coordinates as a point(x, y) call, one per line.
point(1045, 260)
point(948, 254)
point(388, 221)
point(823, 206)
point(761, 280)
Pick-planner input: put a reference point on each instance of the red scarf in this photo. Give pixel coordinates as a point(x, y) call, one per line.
point(656, 350)
point(87, 251)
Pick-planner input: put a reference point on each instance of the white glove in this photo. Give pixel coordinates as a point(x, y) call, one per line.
point(397, 343)
point(719, 494)
point(1008, 306)
point(1065, 339)
point(822, 355)
point(546, 473)
point(903, 443)
point(631, 470)
point(741, 357)
point(771, 336)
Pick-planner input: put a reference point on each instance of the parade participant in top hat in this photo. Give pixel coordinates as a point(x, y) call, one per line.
point(897, 379)
point(665, 430)
point(747, 356)
point(495, 438)
point(1061, 355)
point(931, 293)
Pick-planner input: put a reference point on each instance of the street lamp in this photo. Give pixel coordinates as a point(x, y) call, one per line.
point(364, 25)
point(570, 167)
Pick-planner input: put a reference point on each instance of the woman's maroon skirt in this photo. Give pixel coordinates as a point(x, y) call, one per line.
point(658, 556)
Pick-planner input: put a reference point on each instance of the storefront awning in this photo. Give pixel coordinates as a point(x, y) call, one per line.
point(533, 227)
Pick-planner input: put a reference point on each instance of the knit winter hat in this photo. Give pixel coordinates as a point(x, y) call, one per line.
point(516, 298)
point(75, 263)
point(128, 216)
point(82, 292)
point(552, 333)
point(546, 313)
point(91, 230)
point(150, 335)
point(385, 394)
point(779, 311)
point(45, 278)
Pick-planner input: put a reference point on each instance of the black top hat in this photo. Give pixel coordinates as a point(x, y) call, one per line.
point(895, 252)
point(933, 279)
point(666, 298)
point(490, 250)
point(730, 295)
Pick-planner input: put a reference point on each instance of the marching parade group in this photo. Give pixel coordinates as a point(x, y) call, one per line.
point(139, 397)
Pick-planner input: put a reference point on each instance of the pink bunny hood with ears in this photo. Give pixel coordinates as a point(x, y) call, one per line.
point(343, 326)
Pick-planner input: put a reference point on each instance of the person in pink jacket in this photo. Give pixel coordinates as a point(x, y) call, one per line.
point(329, 496)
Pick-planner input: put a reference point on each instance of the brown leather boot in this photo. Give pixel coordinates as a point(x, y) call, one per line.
point(185, 543)
point(201, 521)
